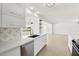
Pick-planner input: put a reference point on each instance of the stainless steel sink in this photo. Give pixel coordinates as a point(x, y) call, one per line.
point(33, 36)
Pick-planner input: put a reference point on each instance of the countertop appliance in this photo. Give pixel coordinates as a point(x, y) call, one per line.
point(75, 48)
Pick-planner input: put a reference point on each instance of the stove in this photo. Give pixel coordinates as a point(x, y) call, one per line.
point(75, 48)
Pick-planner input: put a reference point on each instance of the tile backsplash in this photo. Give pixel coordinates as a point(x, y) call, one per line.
point(9, 36)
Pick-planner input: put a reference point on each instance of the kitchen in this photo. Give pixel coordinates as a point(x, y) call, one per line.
point(20, 31)
point(33, 29)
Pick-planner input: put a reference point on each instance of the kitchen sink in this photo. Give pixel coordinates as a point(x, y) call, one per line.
point(33, 36)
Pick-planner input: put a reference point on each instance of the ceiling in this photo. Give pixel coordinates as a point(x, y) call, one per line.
point(60, 12)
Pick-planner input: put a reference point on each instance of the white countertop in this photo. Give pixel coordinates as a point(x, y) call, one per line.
point(24, 40)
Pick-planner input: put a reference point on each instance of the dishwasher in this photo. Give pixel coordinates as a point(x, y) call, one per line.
point(27, 49)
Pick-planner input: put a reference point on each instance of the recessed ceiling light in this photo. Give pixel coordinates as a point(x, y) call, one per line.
point(28, 11)
point(49, 5)
point(31, 8)
point(37, 12)
point(35, 15)
point(76, 20)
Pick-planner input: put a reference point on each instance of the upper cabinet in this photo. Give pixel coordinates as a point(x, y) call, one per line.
point(13, 15)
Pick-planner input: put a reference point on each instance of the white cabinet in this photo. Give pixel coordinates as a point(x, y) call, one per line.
point(13, 15)
point(39, 43)
point(70, 38)
point(12, 52)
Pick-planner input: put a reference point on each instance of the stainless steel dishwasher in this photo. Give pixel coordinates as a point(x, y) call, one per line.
point(27, 49)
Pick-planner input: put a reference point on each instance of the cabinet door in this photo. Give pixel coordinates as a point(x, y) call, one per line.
point(12, 52)
point(39, 43)
point(12, 21)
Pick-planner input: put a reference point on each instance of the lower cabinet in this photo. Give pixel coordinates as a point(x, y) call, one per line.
point(39, 44)
point(27, 49)
point(32, 48)
point(12, 52)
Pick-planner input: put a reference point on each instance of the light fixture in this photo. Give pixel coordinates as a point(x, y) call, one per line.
point(28, 11)
point(31, 8)
point(49, 5)
point(37, 12)
point(35, 15)
point(77, 20)
point(32, 11)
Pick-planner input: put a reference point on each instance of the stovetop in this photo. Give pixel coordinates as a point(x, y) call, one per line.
point(76, 43)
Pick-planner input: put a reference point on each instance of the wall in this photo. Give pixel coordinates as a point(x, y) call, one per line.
point(47, 27)
point(9, 38)
point(35, 23)
point(71, 29)
point(66, 28)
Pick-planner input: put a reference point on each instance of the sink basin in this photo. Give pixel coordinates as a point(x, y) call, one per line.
point(33, 36)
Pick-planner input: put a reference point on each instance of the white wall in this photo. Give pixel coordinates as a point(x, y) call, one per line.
point(66, 28)
point(47, 27)
point(71, 29)
point(9, 38)
point(35, 20)
point(35, 25)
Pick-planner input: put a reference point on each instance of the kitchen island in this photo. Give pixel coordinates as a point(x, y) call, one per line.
point(12, 49)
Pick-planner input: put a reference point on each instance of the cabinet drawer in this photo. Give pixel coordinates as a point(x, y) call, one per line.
point(38, 47)
point(12, 21)
point(12, 8)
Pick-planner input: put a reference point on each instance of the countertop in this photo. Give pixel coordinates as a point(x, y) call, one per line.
point(24, 40)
